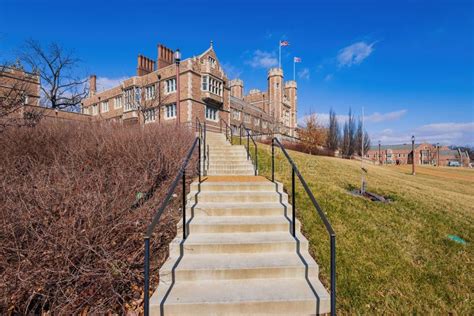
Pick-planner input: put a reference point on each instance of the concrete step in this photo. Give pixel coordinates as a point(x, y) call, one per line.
point(239, 224)
point(265, 185)
point(255, 296)
point(240, 266)
point(225, 243)
point(239, 197)
point(230, 168)
point(241, 209)
point(235, 172)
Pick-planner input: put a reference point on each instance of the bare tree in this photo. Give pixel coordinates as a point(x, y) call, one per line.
point(313, 134)
point(61, 87)
point(349, 136)
point(359, 139)
point(334, 133)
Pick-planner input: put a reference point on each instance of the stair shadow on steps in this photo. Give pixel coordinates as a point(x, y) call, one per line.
point(181, 251)
point(298, 252)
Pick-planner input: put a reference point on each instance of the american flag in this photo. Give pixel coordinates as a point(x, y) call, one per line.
point(297, 59)
point(284, 43)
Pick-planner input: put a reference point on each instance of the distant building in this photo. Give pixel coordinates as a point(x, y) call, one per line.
point(205, 93)
point(425, 154)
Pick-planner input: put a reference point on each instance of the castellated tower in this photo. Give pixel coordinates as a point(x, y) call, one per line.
point(275, 92)
point(290, 92)
point(237, 88)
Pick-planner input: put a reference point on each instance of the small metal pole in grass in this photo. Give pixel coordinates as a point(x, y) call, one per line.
point(413, 155)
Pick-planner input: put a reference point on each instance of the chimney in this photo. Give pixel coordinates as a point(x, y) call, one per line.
point(92, 85)
point(165, 56)
point(144, 65)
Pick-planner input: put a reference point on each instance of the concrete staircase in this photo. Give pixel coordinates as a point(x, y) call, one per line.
point(240, 256)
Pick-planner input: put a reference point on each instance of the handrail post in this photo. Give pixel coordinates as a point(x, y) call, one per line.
point(293, 224)
point(146, 295)
point(248, 146)
point(333, 274)
point(205, 132)
point(273, 159)
point(256, 159)
point(184, 203)
point(199, 159)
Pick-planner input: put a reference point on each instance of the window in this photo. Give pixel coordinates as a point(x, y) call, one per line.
point(95, 109)
point(247, 118)
point(205, 80)
point(170, 85)
point(150, 115)
point(150, 92)
point(264, 124)
point(26, 99)
point(170, 111)
point(104, 106)
point(236, 115)
point(211, 113)
point(212, 85)
point(129, 99)
point(212, 61)
point(85, 110)
point(118, 102)
point(256, 121)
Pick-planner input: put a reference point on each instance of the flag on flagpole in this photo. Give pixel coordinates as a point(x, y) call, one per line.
point(282, 44)
point(297, 59)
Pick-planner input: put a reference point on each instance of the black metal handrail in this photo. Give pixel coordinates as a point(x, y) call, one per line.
point(156, 218)
point(202, 129)
point(250, 137)
point(330, 230)
point(228, 130)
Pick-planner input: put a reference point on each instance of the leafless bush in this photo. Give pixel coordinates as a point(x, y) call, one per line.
point(71, 241)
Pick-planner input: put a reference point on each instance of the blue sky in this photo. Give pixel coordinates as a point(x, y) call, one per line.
point(410, 64)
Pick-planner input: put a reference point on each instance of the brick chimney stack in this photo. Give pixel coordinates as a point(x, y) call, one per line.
point(165, 56)
point(92, 85)
point(145, 65)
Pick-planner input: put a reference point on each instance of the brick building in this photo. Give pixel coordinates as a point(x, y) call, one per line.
point(425, 154)
point(205, 93)
point(274, 110)
point(18, 86)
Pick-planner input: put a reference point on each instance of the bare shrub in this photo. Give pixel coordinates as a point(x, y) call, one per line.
point(71, 241)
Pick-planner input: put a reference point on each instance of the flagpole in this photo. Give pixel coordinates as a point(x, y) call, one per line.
point(294, 69)
point(279, 54)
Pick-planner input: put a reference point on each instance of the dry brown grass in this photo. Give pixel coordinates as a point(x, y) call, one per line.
point(70, 239)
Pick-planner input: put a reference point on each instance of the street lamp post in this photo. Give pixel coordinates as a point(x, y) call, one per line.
point(413, 154)
point(177, 60)
point(437, 159)
point(380, 157)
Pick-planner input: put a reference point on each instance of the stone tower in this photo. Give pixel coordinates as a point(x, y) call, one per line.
point(275, 92)
point(236, 88)
point(290, 92)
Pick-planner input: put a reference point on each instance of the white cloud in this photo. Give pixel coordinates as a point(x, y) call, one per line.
point(328, 77)
point(383, 117)
point(105, 83)
point(354, 54)
point(262, 59)
point(304, 73)
point(444, 133)
point(231, 71)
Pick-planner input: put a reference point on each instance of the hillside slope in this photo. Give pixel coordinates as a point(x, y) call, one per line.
point(391, 258)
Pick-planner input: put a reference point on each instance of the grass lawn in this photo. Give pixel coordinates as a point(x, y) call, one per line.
point(391, 258)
